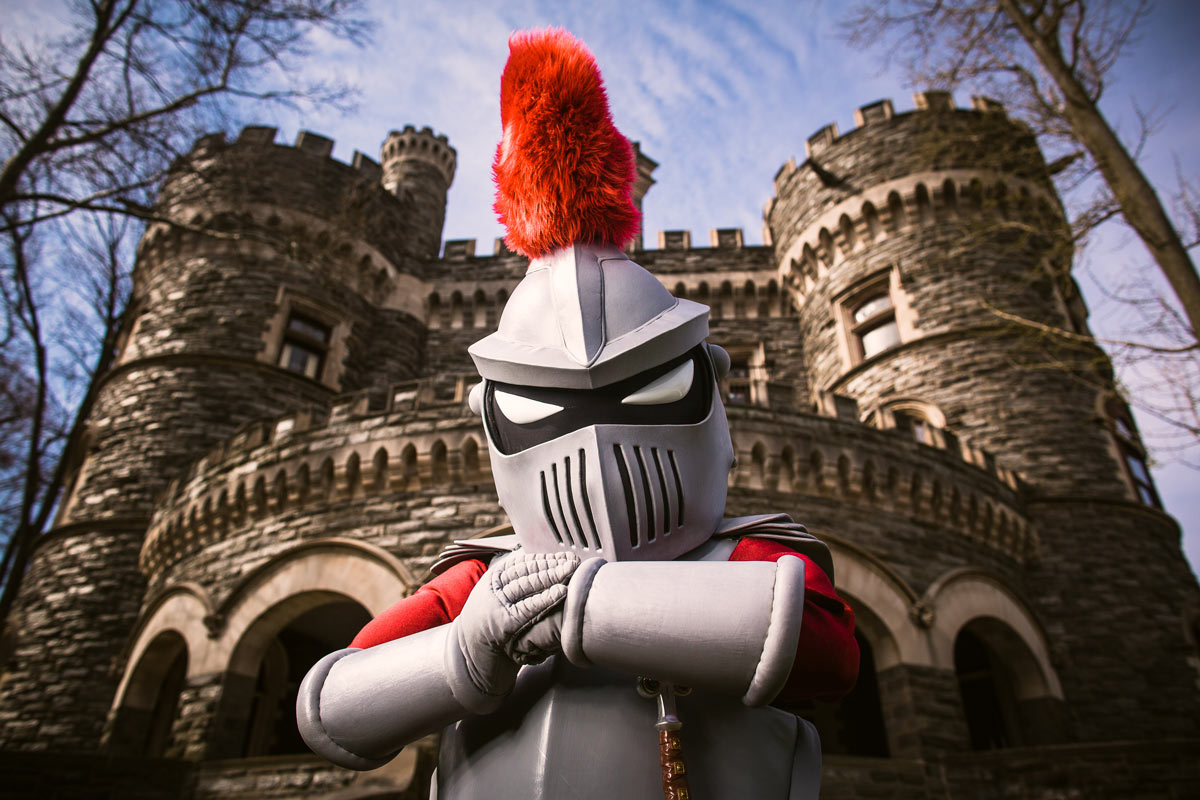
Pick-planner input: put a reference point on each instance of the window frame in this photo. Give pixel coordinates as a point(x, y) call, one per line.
point(882, 283)
point(279, 333)
point(1131, 451)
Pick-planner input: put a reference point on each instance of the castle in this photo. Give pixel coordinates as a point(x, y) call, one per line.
point(282, 447)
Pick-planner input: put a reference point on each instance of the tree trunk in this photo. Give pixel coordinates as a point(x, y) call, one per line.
point(1139, 202)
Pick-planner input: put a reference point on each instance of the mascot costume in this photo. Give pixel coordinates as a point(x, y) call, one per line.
point(623, 602)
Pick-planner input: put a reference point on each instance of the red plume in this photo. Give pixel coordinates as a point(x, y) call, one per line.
point(563, 172)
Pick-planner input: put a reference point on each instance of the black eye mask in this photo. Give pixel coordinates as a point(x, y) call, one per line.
point(603, 406)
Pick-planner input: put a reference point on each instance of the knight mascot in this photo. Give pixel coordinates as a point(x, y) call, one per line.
point(623, 601)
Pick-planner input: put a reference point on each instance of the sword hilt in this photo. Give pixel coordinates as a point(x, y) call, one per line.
point(670, 745)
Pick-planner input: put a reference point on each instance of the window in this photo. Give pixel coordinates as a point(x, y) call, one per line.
point(922, 421)
point(305, 345)
point(1133, 453)
point(746, 383)
point(873, 316)
point(875, 325)
point(916, 426)
point(1141, 478)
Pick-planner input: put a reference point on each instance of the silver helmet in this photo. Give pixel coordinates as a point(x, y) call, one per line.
point(606, 430)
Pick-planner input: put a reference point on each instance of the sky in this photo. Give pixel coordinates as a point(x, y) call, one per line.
point(720, 93)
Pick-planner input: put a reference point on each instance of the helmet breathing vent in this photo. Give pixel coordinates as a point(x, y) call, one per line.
point(561, 509)
point(648, 504)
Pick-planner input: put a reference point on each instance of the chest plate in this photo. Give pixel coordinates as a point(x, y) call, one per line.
point(586, 734)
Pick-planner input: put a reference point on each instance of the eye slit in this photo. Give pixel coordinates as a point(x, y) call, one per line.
point(523, 410)
point(665, 389)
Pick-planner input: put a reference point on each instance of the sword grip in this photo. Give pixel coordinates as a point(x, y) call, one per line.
point(674, 774)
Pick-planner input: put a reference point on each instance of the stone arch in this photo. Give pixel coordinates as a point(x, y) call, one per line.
point(408, 461)
point(143, 717)
point(303, 481)
point(871, 219)
point(996, 614)
point(808, 261)
point(816, 468)
point(826, 251)
point(869, 488)
point(924, 205)
point(725, 300)
point(758, 465)
point(328, 484)
point(325, 589)
point(379, 467)
point(849, 239)
point(439, 466)
point(456, 309)
point(844, 475)
point(479, 309)
point(172, 623)
point(974, 195)
point(260, 496)
point(787, 468)
point(749, 300)
point(897, 216)
point(434, 318)
point(239, 502)
point(772, 302)
point(352, 476)
point(279, 490)
point(870, 586)
point(470, 459)
point(950, 197)
point(680, 290)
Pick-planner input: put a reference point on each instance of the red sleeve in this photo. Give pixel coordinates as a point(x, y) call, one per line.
point(826, 665)
point(436, 603)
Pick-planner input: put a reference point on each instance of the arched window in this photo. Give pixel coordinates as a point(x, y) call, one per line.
point(989, 701)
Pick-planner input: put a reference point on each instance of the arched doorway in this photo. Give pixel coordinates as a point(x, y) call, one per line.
point(142, 724)
point(286, 658)
point(988, 696)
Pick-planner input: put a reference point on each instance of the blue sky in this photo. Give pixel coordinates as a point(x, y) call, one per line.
point(720, 93)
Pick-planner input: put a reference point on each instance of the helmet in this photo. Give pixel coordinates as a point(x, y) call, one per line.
point(606, 431)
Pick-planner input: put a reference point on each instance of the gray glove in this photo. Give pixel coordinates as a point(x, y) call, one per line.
point(512, 617)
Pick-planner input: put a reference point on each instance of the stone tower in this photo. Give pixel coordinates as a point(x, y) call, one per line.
point(418, 168)
point(904, 244)
point(258, 302)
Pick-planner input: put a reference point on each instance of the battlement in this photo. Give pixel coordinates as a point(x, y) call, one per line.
point(313, 144)
point(928, 102)
point(420, 435)
point(422, 145)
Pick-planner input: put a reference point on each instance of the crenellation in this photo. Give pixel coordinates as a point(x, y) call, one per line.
point(931, 100)
point(257, 135)
point(314, 143)
point(986, 104)
point(879, 111)
point(823, 138)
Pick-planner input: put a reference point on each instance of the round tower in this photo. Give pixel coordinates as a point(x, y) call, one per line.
point(283, 280)
point(418, 168)
point(913, 247)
